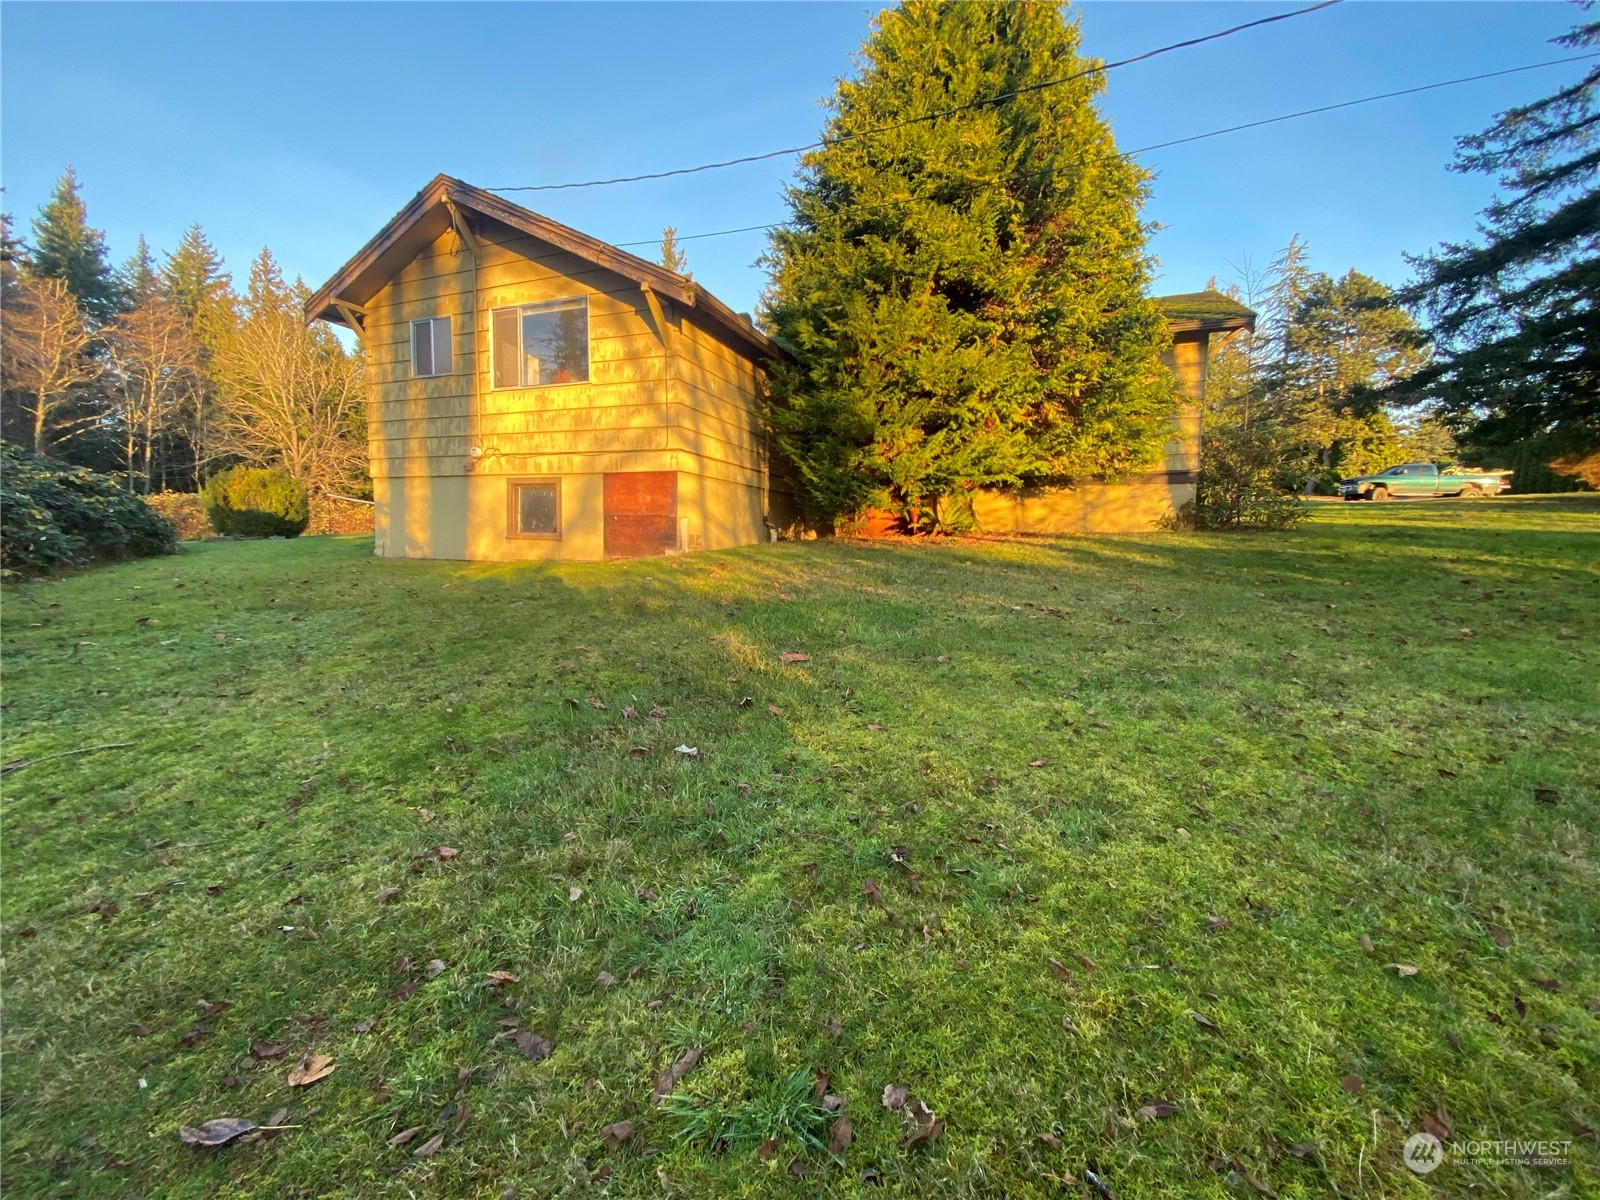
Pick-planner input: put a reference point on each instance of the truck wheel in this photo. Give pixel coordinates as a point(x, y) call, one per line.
point(1379, 493)
point(1472, 492)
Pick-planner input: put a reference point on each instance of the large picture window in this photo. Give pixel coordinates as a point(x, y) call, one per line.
point(533, 508)
point(430, 347)
point(536, 345)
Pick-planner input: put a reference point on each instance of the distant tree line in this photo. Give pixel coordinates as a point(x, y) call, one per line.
point(161, 372)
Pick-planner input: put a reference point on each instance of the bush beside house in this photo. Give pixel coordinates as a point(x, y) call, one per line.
point(256, 502)
point(54, 516)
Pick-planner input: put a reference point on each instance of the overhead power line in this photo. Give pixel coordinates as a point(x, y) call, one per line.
point(1200, 137)
point(882, 129)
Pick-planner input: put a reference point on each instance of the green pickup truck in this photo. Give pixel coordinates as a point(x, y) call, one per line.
point(1425, 479)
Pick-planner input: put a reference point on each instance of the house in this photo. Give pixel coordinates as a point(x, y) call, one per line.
point(1137, 503)
point(535, 393)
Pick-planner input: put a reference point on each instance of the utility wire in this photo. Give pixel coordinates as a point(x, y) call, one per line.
point(866, 133)
point(1199, 137)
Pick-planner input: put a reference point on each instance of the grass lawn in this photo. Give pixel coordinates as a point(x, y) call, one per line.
point(1114, 851)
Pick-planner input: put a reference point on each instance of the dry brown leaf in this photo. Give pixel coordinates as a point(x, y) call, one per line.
point(775, 710)
point(1366, 944)
point(1402, 969)
point(1038, 762)
point(870, 887)
point(386, 894)
point(1060, 969)
point(616, 1133)
point(1500, 936)
point(1351, 1083)
point(218, 1132)
point(605, 980)
point(1155, 1110)
point(363, 1026)
point(498, 979)
point(790, 656)
point(435, 968)
point(875, 727)
point(266, 1050)
point(405, 1135)
point(925, 1127)
point(1204, 1022)
point(406, 990)
point(430, 1147)
point(670, 1078)
point(894, 1096)
point(594, 702)
point(1432, 1124)
point(1088, 963)
point(533, 1047)
point(839, 1135)
point(310, 1069)
point(834, 1027)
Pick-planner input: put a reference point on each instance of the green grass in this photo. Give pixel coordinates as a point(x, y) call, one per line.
point(1255, 750)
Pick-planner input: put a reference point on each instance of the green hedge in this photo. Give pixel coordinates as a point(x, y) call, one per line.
point(54, 516)
point(256, 502)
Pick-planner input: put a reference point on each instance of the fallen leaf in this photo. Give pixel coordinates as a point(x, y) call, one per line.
point(925, 1127)
point(839, 1135)
point(870, 888)
point(875, 727)
point(406, 990)
point(1432, 1124)
point(1402, 969)
point(605, 980)
point(1366, 944)
point(790, 656)
point(1070, 1027)
point(266, 1050)
point(670, 1078)
point(1088, 963)
point(594, 702)
point(363, 1026)
point(534, 1048)
point(1155, 1110)
point(498, 979)
point(768, 1148)
point(688, 751)
point(834, 1027)
point(775, 710)
point(657, 714)
point(895, 1096)
point(210, 1008)
point(1255, 1184)
point(278, 1117)
point(616, 1133)
point(574, 893)
point(1051, 1140)
point(639, 752)
point(1060, 969)
point(405, 1135)
point(832, 1103)
point(386, 894)
point(1500, 936)
point(435, 968)
point(218, 1132)
point(1351, 1083)
point(430, 1147)
point(1038, 762)
point(1204, 1022)
point(310, 1069)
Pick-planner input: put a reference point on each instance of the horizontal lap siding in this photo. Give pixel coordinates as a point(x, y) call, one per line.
point(426, 427)
point(715, 390)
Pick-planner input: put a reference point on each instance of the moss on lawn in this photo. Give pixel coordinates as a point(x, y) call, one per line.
point(1207, 765)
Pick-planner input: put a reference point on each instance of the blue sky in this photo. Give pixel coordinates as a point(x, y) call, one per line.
point(305, 126)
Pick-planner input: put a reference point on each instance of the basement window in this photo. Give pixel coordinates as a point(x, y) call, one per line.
point(533, 508)
point(536, 345)
point(430, 348)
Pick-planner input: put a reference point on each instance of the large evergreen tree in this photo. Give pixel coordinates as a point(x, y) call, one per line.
point(195, 279)
point(139, 278)
point(1515, 316)
point(964, 290)
point(66, 247)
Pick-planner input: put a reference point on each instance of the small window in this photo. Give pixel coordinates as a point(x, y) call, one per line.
point(430, 348)
point(533, 508)
point(537, 345)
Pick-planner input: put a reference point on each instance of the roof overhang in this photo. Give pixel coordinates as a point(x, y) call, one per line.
point(1211, 324)
point(438, 207)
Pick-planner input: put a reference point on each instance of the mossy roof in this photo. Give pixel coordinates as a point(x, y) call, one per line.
point(1209, 305)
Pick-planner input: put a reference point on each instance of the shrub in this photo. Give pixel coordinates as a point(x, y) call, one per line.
point(184, 510)
point(53, 515)
point(256, 502)
point(1249, 479)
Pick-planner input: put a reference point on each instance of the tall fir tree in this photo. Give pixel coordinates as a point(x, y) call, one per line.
point(195, 279)
point(66, 247)
point(140, 280)
point(962, 282)
point(1517, 315)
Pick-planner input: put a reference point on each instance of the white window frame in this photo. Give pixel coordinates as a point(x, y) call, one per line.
point(588, 344)
point(433, 347)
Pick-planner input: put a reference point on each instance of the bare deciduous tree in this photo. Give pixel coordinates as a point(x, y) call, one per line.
point(289, 395)
point(45, 355)
point(158, 364)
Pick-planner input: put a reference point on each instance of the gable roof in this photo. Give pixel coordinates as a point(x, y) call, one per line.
point(428, 215)
point(1209, 311)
